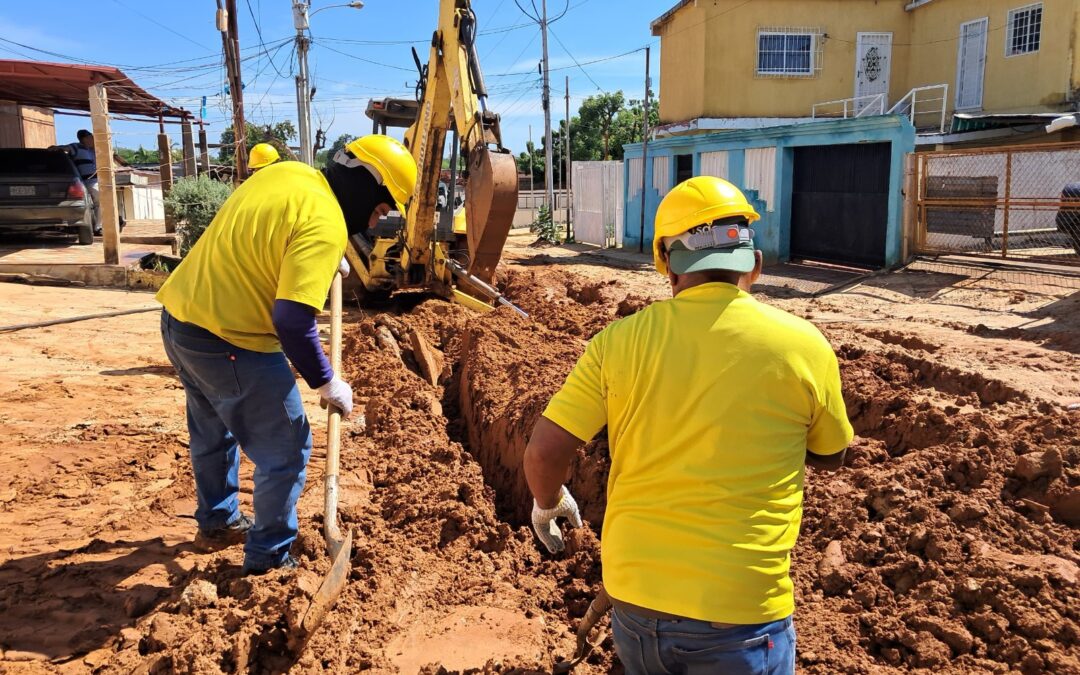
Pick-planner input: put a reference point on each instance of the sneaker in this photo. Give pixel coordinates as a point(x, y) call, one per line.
point(289, 563)
point(223, 537)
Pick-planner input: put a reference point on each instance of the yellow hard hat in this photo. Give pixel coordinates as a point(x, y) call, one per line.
point(262, 155)
point(391, 160)
point(697, 201)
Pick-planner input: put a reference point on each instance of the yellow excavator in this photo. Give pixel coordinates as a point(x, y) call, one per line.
point(421, 249)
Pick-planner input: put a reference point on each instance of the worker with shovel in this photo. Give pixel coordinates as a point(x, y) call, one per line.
point(248, 291)
point(714, 404)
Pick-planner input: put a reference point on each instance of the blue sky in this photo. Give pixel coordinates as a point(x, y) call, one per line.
point(352, 59)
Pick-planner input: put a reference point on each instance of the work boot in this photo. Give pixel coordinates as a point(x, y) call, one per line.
point(223, 537)
point(289, 563)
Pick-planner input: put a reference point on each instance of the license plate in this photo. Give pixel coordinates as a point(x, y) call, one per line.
point(23, 190)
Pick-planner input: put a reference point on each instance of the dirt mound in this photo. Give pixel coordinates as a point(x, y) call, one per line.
point(949, 542)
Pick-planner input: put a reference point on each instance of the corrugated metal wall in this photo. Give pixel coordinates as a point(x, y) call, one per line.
point(760, 174)
point(661, 175)
point(715, 164)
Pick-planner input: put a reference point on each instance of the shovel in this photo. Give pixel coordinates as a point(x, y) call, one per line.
point(597, 608)
point(338, 546)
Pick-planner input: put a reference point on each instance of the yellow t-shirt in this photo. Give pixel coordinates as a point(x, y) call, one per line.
point(281, 235)
point(711, 400)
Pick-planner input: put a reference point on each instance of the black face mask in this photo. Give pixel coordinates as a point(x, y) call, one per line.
point(358, 193)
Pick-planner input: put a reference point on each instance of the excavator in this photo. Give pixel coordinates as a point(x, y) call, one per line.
point(422, 248)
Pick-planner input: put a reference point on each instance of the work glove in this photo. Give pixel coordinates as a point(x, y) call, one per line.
point(337, 393)
point(544, 522)
point(343, 268)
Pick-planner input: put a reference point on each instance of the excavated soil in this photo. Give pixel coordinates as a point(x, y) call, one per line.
point(948, 542)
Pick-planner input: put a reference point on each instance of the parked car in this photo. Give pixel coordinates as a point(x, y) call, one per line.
point(1068, 216)
point(41, 190)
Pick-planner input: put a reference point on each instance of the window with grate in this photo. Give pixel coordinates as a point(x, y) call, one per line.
point(786, 53)
point(1024, 30)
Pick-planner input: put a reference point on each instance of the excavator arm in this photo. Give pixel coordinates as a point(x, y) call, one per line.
point(452, 101)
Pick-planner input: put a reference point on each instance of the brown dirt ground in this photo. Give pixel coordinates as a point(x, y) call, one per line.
point(950, 542)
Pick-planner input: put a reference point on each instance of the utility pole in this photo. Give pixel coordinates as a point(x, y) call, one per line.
point(532, 179)
point(230, 38)
point(549, 174)
point(644, 153)
point(303, 86)
point(566, 171)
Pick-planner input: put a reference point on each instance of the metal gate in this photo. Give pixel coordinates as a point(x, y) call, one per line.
point(598, 203)
point(1020, 202)
point(840, 203)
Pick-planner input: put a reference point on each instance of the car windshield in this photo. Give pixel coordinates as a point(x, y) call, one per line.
point(14, 162)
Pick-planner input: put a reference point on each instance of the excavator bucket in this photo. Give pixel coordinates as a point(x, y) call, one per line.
point(491, 195)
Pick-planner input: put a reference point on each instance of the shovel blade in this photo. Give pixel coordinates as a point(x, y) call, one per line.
point(491, 197)
point(331, 587)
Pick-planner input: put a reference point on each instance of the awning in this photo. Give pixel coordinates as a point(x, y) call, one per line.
point(66, 85)
point(965, 122)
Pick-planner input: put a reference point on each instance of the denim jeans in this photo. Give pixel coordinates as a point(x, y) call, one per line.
point(240, 398)
point(654, 647)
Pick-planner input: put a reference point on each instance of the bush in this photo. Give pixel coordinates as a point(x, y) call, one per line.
point(545, 226)
point(193, 203)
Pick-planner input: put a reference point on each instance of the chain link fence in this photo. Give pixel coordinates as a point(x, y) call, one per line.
point(1017, 202)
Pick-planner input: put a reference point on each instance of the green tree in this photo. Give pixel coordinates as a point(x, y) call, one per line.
point(596, 117)
point(277, 135)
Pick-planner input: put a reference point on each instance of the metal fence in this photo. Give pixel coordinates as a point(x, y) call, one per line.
point(1019, 202)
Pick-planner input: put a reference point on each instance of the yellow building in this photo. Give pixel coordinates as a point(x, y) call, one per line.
point(737, 64)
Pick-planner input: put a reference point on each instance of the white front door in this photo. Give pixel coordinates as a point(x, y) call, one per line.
point(971, 65)
point(873, 58)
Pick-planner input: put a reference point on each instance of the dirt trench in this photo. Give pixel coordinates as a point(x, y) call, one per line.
point(949, 542)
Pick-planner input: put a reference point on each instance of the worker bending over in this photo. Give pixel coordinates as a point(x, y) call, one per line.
point(249, 289)
point(714, 404)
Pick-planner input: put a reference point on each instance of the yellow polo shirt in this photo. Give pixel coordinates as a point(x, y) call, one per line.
point(280, 235)
point(711, 400)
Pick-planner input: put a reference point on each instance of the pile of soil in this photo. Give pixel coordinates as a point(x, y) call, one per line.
point(948, 542)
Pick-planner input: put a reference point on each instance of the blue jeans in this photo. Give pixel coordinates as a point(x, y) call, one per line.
point(653, 647)
point(240, 398)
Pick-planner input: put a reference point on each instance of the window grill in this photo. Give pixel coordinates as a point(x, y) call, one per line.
point(1024, 30)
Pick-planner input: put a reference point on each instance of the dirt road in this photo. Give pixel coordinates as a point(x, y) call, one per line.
point(950, 542)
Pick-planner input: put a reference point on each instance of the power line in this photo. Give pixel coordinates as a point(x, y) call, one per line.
point(579, 65)
point(159, 24)
point(598, 87)
point(360, 58)
point(262, 43)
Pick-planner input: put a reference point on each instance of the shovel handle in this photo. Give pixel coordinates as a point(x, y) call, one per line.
point(333, 426)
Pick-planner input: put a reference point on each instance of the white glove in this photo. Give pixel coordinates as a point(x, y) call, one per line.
point(343, 268)
point(547, 528)
point(337, 393)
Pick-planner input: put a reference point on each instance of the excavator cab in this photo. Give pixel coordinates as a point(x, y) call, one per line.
point(435, 245)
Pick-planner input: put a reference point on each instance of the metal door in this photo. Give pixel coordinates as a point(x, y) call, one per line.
point(873, 61)
point(840, 203)
point(971, 64)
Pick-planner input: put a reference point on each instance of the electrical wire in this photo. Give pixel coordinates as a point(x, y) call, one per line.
point(360, 58)
point(572, 58)
point(159, 24)
point(258, 31)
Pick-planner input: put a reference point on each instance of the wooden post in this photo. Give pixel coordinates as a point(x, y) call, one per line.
point(188, 141)
point(110, 221)
point(1005, 218)
point(204, 150)
point(165, 170)
point(909, 229)
point(231, 42)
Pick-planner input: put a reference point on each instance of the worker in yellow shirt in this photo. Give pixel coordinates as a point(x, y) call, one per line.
point(714, 404)
point(241, 306)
